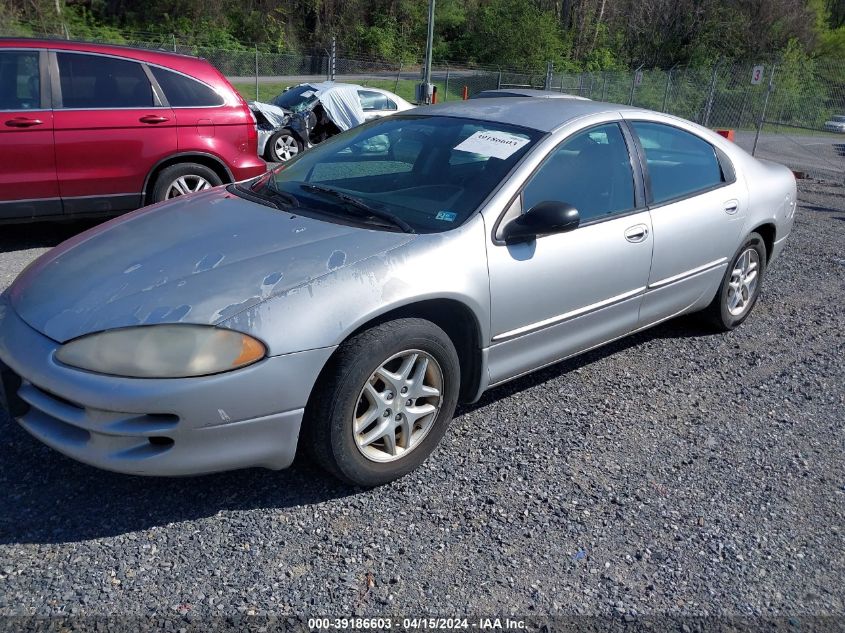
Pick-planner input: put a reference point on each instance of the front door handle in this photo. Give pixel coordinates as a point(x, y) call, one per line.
point(23, 122)
point(636, 233)
point(153, 118)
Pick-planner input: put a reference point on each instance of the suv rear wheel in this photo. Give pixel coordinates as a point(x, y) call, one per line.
point(182, 179)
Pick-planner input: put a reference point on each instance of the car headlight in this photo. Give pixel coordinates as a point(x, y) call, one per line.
point(162, 351)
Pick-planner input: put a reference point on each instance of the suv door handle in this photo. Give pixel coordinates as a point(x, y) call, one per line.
point(23, 122)
point(153, 118)
point(636, 233)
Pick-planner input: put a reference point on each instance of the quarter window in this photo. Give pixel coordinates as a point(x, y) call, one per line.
point(679, 163)
point(591, 171)
point(94, 81)
point(20, 80)
point(184, 92)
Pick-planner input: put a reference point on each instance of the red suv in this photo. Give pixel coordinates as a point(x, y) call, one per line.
point(90, 129)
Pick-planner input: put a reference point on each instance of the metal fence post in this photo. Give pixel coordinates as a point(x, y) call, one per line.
point(765, 107)
point(333, 59)
point(634, 84)
point(256, 72)
point(549, 71)
point(709, 107)
point(446, 87)
point(173, 37)
point(604, 86)
point(499, 80)
point(668, 86)
point(398, 76)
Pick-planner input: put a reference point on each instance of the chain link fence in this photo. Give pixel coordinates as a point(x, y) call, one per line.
point(777, 109)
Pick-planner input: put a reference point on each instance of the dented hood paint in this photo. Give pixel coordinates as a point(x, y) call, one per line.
point(201, 260)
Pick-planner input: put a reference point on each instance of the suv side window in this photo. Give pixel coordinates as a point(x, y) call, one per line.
point(591, 171)
point(184, 92)
point(371, 100)
point(96, 81)
point(20, 80)
point(679, 163)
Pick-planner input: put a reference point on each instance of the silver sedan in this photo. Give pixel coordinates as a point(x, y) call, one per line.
point(347, 301)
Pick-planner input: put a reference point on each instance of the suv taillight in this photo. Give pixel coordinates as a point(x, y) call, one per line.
point(251, 132)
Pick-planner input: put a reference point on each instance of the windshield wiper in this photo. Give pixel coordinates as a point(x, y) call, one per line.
point(363, 208)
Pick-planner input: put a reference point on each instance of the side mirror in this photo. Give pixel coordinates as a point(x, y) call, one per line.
point(544, 218)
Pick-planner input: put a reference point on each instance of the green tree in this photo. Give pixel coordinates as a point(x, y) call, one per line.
point(514, 33)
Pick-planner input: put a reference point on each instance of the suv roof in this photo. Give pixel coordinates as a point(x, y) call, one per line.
point(188, 64)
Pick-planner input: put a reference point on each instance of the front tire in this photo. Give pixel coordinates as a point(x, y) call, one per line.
point(282, 147)
point(740, 286)
point(384, 402)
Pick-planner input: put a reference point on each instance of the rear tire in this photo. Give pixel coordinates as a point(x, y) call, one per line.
point(398, 380)
point(740, 286)
point(182, 179)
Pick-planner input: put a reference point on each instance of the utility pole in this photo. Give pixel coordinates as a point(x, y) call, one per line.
point(425, 89)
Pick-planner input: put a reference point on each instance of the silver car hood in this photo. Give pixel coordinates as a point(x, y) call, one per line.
point(202, 259)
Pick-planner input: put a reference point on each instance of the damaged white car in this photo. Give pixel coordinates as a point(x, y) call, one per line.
point(307, 114)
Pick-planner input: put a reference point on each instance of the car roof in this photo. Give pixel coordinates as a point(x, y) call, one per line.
point(527, 92)
point(544, 115)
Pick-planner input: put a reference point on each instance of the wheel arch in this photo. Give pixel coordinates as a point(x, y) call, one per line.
point(456, 319)
point(768, 231)
point(202, 158)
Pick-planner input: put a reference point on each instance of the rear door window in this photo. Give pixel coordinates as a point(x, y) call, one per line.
point(679, 163)
point(184, 92)
point(20, 80)
point(371, 100)
point(98, 81)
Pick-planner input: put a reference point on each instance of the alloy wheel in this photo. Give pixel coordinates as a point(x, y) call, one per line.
point(286, 147)
point(743, 283)
point(398, 406)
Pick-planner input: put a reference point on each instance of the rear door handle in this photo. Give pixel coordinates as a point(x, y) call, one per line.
point(153, 118)
point(636, 233)
point(731, 206)
point(23, 122)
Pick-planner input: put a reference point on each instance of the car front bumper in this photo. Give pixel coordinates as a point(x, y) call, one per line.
point(168, 427)
point(263, 137)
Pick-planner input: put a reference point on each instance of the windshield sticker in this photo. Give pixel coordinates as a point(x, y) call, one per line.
point(307, 93)
point(446, 216)
point(492, 144)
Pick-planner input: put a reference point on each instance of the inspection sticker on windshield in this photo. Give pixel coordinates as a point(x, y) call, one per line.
point(492, 144)
point(446, 216)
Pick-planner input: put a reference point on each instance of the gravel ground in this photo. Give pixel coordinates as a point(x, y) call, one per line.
point(676, 472)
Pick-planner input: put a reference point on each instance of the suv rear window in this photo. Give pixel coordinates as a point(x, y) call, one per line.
point(96, 81)
point(184, 92)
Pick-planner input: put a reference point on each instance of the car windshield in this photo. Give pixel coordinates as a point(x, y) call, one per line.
point(430, 173)
point(296, 99)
